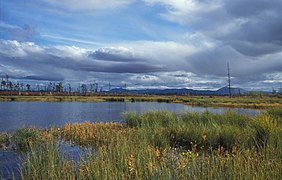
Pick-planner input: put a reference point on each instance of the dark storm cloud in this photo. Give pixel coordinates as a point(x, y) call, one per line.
point(214, 62)
point(250, 8)
point(59, 63)
point(252, 27)
point(120, 68)
point(204, 35)
point(259, 35)
point(254, 49)
point(43, 78)
point(114, 54)
point(247, 34)
point(260, 31)
point(90, 65)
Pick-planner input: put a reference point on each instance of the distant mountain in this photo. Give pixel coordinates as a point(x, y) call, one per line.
point(225, 91)
point(221, 91)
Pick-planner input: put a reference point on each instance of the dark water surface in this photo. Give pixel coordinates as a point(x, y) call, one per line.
point(15, 115)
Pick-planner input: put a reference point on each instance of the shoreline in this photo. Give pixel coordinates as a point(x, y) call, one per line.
point(204, 101)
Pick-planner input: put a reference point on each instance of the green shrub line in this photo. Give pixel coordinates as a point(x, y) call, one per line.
point(156, 145)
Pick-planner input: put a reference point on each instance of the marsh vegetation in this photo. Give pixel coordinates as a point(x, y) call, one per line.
point(156, 145)
point(250, 101)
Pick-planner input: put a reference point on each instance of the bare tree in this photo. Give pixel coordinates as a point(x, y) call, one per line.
point(69, 87)
point(3, 84)
point(59, 87)
point(28, 87)
point(7, 82)
point(91, 87)
point(17, 87)
point(84, 88)
point(96, 87)
point(229, 81)
point(22, 86)
point(10, 85)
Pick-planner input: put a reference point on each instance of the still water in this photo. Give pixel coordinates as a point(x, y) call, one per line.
point(15, 115)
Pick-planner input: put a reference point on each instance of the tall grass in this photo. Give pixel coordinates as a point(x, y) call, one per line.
point(204, 129)
point(163, 145)
point(47, 161)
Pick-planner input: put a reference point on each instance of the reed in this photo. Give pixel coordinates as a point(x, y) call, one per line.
point(24, 137)
point(47, 161)
point(5, 140)
point(162, 145)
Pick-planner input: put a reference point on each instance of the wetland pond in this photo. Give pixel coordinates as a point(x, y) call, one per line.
point(14, 115)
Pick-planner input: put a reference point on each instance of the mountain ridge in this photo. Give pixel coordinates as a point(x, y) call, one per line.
point(182, 91)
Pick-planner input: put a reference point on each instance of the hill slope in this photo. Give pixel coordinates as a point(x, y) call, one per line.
point(221, 91)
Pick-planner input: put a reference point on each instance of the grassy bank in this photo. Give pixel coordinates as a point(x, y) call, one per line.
point(222, 101)
point(156, 145)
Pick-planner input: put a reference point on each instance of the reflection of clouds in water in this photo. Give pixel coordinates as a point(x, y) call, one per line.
point(44, 114)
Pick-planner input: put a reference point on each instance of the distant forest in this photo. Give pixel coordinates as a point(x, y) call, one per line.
point(10, 86)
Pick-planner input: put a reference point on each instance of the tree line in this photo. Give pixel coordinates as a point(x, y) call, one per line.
point(8, 85)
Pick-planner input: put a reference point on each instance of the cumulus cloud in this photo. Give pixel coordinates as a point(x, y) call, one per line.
point(140, 64)
point(203, 36)
point(73, 58)
point(117, 54)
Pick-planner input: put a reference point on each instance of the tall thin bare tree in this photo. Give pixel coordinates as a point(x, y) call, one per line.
point(229, 80)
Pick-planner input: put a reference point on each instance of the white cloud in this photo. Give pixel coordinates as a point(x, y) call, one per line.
point(8, 26)
point(63, 39)
point(187, 6)
point(186, 11)
point(13, 48)
point(145, 79)
point(67, 52)
point(143, 63)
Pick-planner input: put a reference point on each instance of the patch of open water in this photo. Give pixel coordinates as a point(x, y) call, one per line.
point(14, 115)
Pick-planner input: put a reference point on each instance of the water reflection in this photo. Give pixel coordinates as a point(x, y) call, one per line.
point(14, 115)
point(9, 165)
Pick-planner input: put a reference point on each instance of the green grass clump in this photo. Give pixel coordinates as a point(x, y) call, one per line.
point(276, 113)
point(5, 140)
point(205, 129)
point(47, 161)
point(23, 138)
point(150, 119)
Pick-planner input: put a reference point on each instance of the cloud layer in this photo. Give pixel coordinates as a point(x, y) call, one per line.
point(148, 43)
point(145, 63)
point(77, 5)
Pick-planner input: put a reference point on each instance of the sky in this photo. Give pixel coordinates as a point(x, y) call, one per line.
point(140, 44)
